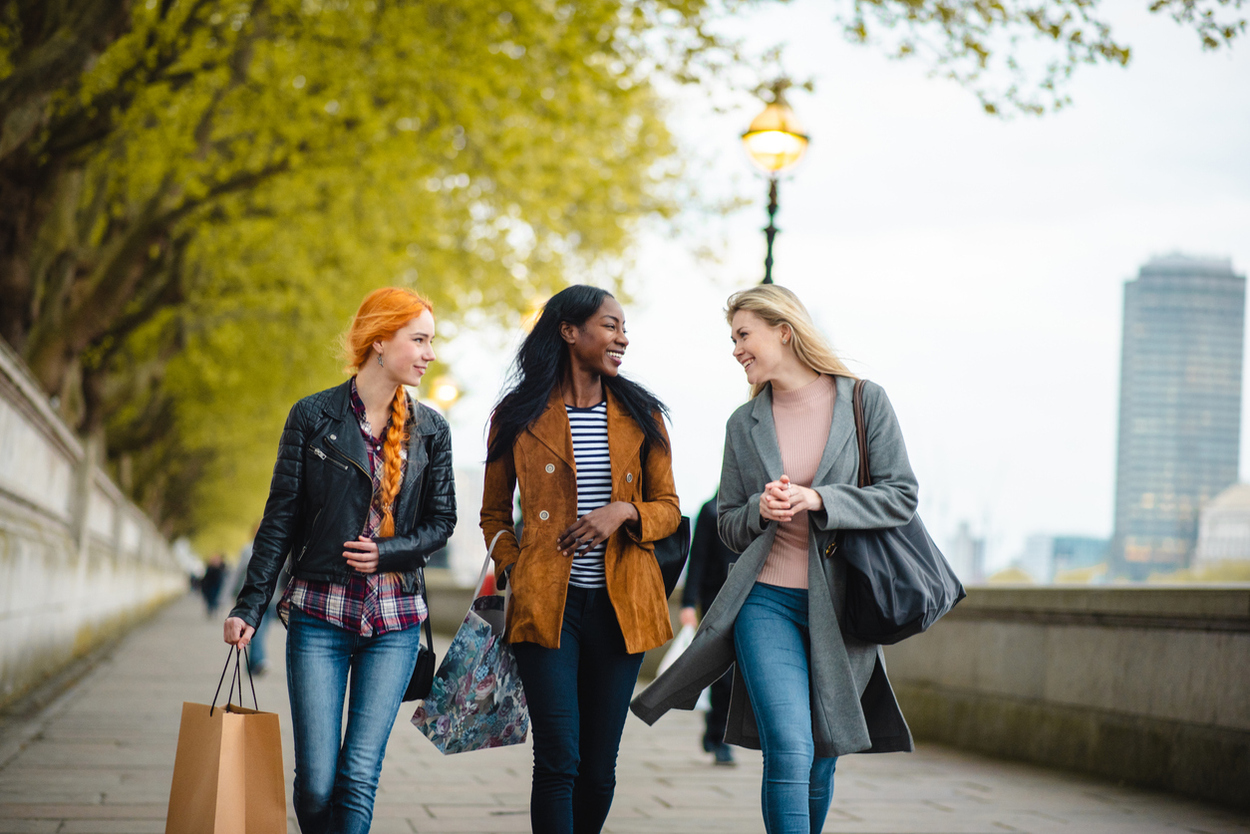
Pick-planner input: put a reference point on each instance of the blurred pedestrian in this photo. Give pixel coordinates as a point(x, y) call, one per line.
point(709, 564)
point(210, 583)
point(590, 453)
point(803, 691)
point(362, 494)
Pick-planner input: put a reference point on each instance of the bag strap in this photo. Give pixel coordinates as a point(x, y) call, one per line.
point(861, 434)
point(429, 632)
point(481, 577)
point(236, 653)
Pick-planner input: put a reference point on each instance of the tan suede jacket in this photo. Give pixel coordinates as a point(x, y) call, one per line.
point(541, 462)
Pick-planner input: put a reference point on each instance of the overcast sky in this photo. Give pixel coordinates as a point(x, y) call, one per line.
point(972, 266)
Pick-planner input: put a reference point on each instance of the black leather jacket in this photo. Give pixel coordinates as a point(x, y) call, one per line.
point(320, 494)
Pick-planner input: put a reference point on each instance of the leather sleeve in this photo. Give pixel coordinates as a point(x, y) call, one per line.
point(281, 523)
point(438, 514)
point(499, 485)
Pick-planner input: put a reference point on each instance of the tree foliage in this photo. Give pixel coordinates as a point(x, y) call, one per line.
point(194, 194)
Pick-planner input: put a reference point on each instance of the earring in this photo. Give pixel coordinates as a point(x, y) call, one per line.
point(380, 365)
point(785, 341)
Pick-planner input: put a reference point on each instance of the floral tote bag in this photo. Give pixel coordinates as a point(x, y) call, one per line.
point(477, 701)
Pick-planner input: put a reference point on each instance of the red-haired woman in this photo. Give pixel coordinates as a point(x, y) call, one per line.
point(362, 494)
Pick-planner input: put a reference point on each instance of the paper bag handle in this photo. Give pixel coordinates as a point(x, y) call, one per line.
point(235, 652)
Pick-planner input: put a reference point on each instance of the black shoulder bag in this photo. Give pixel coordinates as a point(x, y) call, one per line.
point(899, 583)
point(423, 672)
point(671, 551)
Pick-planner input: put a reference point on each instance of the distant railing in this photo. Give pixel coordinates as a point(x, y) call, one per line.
point(78, 562)
point(1149, 685)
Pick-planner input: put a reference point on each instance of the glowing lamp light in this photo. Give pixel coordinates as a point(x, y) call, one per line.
point(775, 141)
point(444, 392)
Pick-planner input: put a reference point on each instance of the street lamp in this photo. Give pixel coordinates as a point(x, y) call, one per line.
point(775, 142)
point(444, 392)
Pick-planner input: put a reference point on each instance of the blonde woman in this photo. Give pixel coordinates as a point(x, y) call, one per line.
point(362, 494)
point(803, 691)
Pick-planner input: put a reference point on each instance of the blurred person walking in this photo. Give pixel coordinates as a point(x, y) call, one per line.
point(591, 456)
point(709, 564)
point(211, 581)
point(803, 690)
point(258, 655)
point(362, 494)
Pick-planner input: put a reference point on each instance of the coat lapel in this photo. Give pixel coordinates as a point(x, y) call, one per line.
point(841, 428)
point(552, 428)
point(626, 440)
point(418, 428)
point(764, 434)
point(345, 437)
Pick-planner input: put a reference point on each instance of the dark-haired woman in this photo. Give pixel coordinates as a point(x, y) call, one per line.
point(590, 453)
point(362, 494)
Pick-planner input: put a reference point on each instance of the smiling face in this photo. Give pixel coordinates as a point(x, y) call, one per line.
point(758, 347)
point(598, 346)
point(407, 354)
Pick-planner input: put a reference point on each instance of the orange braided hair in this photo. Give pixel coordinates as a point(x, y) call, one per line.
point(381, 315)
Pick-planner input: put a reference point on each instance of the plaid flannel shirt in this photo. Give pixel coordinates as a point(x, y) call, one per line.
point(368, 604)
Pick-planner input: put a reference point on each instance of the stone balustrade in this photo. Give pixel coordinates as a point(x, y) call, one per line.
point(78, 562)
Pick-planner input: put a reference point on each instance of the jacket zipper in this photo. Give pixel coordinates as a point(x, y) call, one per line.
point(316, 518)
point(352, 461)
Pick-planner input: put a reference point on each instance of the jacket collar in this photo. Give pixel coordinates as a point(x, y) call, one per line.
point(624, 437)
point(552, 428)
point(841, 429)
point(346, 435)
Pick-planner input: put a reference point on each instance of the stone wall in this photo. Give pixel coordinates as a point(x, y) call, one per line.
point(78, 563)
point(1148, 685)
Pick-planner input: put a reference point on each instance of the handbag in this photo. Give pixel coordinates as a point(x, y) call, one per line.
point(671, 553)
point(423, 670)
point(476, 701)
point(228, 775)
point(898, 583)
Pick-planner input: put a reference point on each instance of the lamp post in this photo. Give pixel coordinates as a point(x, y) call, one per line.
point(775, 142)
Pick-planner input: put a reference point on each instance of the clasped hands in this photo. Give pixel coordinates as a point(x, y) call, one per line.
point(592, 529)
point(782, 499)
point(361, 555)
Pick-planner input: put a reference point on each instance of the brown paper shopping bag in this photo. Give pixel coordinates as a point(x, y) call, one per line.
point(228, 775)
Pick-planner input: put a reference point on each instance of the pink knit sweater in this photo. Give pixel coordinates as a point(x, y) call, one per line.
point(802, 418)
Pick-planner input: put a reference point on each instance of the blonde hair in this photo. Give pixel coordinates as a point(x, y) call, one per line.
point(776, 306)
point(381, 315)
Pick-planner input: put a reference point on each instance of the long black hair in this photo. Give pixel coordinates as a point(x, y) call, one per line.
point(541, 361)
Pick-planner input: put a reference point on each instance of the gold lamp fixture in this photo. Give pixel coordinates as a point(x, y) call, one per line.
point(775, 143)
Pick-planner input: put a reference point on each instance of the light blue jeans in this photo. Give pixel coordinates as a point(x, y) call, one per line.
point(336, 775)
point(773, 647)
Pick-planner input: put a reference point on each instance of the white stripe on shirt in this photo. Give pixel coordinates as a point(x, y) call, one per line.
point(594, 483)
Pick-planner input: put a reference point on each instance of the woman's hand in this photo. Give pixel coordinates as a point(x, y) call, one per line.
point(237, 632)
point(688, 617)
point(594, 527)
point(782, 499)
point(362, 554)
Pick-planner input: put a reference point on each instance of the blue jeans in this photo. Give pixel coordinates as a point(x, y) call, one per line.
point(578, 697)
point(773, 647)
point(336, 775)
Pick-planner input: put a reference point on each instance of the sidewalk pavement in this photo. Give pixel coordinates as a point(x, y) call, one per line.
point(100, 758)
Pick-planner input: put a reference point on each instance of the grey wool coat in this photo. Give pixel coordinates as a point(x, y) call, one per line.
point(853, 706)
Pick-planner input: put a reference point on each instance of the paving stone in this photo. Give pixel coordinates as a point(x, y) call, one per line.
point(99, 760)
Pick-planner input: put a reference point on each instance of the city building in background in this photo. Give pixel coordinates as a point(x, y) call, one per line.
point(1224, 528)
point(966, 555)
point(1180, 407)
point(1049, 558)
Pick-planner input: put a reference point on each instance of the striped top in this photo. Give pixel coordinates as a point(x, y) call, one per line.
point(594, 483)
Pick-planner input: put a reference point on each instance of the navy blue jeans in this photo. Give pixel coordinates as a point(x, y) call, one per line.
point(773, 647)
point(336, 774)
point(578, 697)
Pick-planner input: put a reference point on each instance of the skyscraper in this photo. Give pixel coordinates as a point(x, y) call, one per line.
point(1180, 407)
